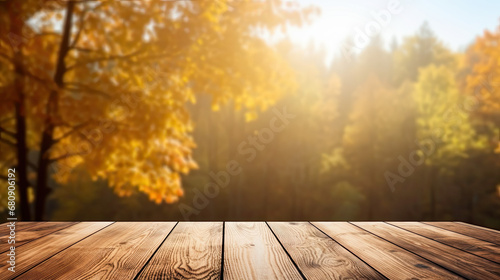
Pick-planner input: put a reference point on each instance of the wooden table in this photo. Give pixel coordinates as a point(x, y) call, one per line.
point(251, 250)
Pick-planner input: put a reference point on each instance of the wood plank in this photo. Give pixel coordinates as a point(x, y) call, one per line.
point(33, 232)
point(35, 252)
point(390, 260)
point(458, 261)
point(251, 251)
point(317, 255)
point(478, 232)
point(20, 226)
point(193, 250)
point(116, 252)
point(466, 243)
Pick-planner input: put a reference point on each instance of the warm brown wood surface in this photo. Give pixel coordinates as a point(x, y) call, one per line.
point(392, 261)
point(193, 250)
point(458, 261)
point(29, 233)
point(317, 255)
point(252, 250)
point(485, 234)
point(34, 253)
point(116, 252)
point(20, 226)
point(472, 245)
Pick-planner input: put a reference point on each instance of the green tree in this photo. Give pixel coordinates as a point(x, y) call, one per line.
point(419, 51)
point(443, 125)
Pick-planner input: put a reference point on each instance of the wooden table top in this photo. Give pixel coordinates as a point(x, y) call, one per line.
point(251, 250)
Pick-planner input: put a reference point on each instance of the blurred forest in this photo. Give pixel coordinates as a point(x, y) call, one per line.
point(183, 110)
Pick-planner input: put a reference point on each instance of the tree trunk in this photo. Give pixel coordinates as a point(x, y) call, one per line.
point(22, 156)
point(51, 111)
point(16, 27)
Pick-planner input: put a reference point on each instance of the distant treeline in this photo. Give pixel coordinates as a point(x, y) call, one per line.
point(405, 133)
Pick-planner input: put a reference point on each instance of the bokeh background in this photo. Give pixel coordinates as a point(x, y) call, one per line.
point(251, 110)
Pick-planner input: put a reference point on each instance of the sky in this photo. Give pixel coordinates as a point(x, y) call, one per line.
point(455, 22)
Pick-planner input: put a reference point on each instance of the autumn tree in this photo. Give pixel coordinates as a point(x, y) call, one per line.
point(113, 82)
point(374, 138)
point(482, 79)
point(444, 126)
point(418, 51)
point(18, 42)
point(315, 106)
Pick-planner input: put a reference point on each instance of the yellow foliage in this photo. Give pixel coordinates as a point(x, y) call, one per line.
point(131, 68)
point(483, 79)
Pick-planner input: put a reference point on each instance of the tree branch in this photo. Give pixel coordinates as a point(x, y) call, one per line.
point(80, 25)
point(6, 119)
point(111, 57)
point(87, 50)
point(44, 83)
point(73, 130)
point(85, 88)
point(7, 142)
point(13, 134)
point(47, 34)
point(66, 156)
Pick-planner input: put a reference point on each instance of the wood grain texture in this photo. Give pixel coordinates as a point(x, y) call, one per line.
point(35, 252)
point(458, 261)
point(116, 252)
point(251, 251)
point(33, 232)
point(317, 255)
point(193, 250)
point(20, 226)
point(389, 259)
point(478, 232)
point(471, 245)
